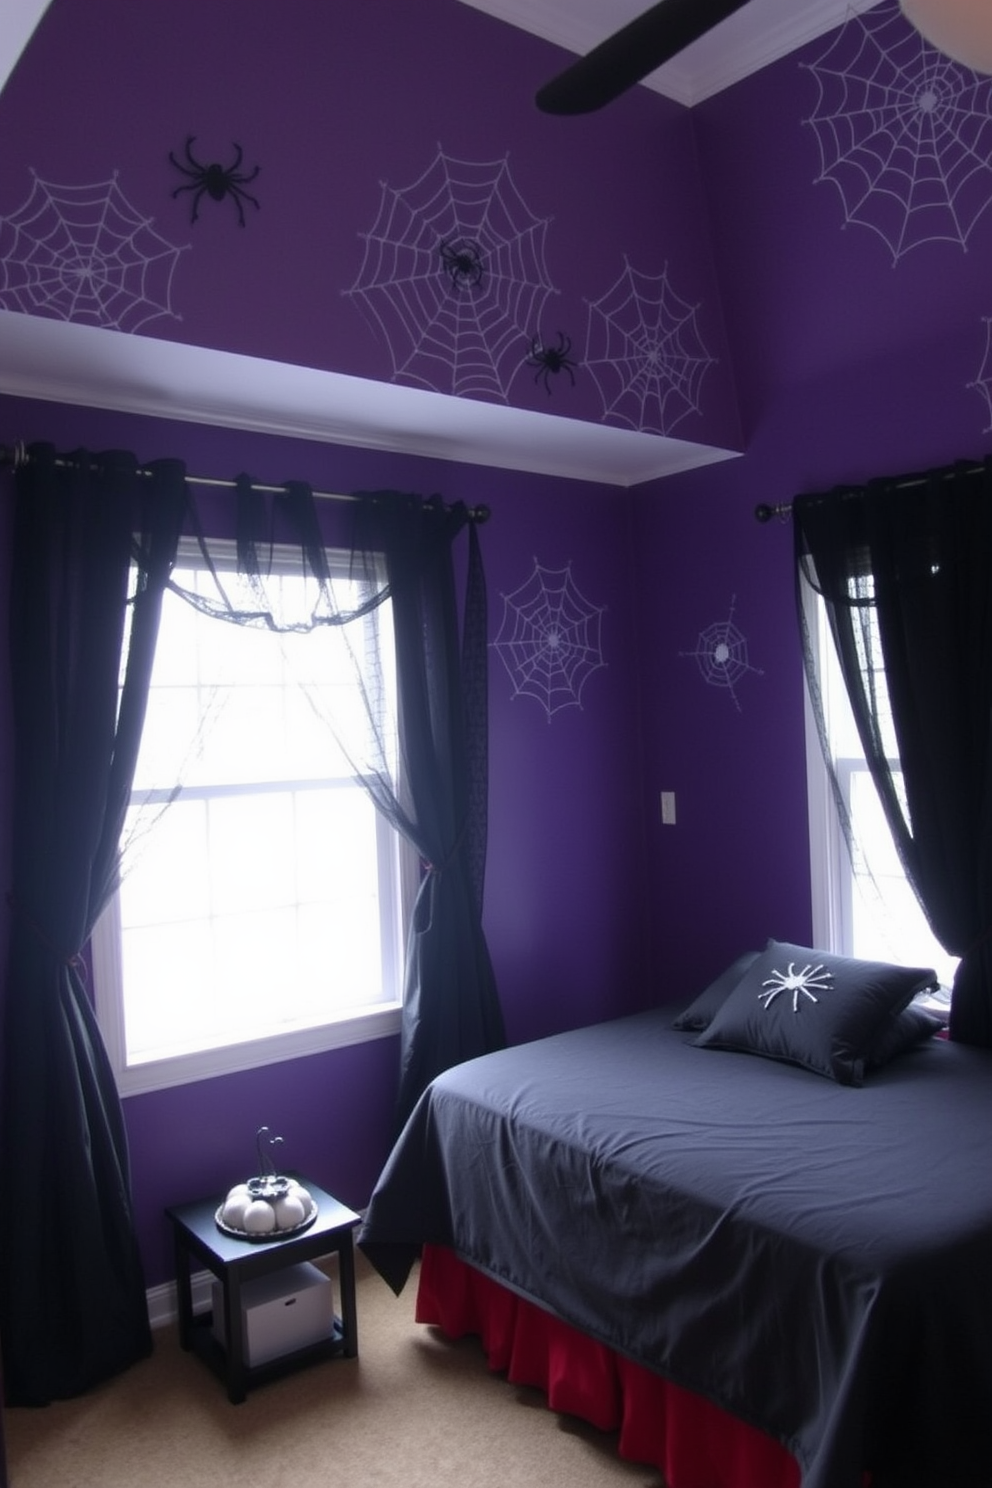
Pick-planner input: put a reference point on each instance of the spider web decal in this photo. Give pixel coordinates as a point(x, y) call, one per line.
point(459, 326)
point(84, 253)
point(721, 655)
point(983, 382)
point(645, 353)
point(905, 134)
point(549, 639)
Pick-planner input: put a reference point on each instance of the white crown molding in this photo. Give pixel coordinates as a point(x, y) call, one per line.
point(742, 48)
point(750, 39)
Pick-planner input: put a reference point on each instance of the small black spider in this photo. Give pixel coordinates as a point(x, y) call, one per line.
point(551, 360)
point(216, 180)
point(462, 263)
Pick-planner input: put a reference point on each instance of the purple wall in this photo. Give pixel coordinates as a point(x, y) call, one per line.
point(849, 363)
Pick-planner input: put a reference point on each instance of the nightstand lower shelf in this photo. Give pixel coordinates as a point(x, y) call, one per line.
point(215, 1355)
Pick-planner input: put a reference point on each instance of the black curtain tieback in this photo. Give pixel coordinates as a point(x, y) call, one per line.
point(74, 959)
point(423, 917)
point(438, 868)
point(979, 940)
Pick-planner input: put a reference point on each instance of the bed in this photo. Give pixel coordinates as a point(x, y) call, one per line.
point(779, 1210)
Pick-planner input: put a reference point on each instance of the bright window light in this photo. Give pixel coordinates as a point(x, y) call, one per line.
point(863, 904)
point(260, 914)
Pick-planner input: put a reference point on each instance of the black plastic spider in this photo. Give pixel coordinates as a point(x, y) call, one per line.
point(550, 360)
point(216, 180)
point(462, 263)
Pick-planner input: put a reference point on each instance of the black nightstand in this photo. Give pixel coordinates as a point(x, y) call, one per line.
point(235, 1261)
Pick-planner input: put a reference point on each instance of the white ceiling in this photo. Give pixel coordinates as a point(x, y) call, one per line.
point(58, 361)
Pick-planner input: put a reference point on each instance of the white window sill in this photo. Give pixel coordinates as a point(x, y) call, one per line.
point(207, 1064)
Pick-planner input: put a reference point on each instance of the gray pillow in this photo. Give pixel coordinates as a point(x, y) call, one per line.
point(699, 1014)
point(902, 1032)
point(814, 1009)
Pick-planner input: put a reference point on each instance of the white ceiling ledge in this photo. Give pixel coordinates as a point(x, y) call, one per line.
point(62, 362)
point(17, 25)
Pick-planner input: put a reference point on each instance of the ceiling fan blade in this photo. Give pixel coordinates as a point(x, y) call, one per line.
point(631, 54)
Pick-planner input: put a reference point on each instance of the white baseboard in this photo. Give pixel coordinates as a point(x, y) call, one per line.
point(162, 1308)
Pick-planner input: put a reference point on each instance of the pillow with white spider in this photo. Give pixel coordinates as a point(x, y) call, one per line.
point(814, 1009)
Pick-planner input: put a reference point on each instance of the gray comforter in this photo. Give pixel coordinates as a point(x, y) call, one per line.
point(814, 1258)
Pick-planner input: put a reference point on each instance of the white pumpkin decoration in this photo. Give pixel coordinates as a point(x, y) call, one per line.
point(259, 1217)
point(235, 1207)
point(290, 1212)
point(268, 1204)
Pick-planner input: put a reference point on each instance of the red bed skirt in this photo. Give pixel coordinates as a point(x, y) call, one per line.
point(691, 1442)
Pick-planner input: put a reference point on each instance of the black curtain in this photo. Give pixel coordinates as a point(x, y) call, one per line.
point(905, 570)
point(72, 1294)
point(451, 1010)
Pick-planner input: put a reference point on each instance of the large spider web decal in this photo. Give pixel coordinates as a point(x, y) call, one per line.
point(84, 253)
point(549, 639)
point(454, 277)
point(721, 655)
point(645, 353)
point(905, 134)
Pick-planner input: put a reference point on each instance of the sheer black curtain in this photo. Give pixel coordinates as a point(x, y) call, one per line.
point(72, 1293)
point(905, 571)
point(403, 548)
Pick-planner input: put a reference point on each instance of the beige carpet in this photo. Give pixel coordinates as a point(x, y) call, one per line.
point(413, 1411)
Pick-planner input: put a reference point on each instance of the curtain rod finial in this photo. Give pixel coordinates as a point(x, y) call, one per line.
point(764, 513)
point(15, 455)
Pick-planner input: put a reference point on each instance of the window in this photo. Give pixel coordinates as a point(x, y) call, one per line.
point(863, 904)
point(260, 915)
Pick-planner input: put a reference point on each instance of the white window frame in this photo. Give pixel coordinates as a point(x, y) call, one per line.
point(398, 877)
point(832, 877)
point(827, 850)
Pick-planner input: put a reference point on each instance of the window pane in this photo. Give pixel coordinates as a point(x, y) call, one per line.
point(167, 868)
point(880, 917)
point(251, 903)
point(167, 1008)
point(888, 923)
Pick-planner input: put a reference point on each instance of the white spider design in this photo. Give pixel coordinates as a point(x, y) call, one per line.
point(796, 982)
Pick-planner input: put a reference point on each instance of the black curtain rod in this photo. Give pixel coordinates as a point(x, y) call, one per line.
point(16, 455)
point(765, 512)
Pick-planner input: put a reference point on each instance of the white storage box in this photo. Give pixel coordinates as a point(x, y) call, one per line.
point(286, 1310)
